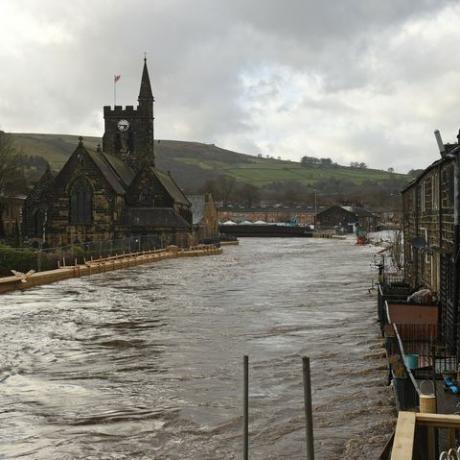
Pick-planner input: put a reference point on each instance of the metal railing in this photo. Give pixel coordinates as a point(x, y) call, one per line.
point(390, 293)
point(39, 259)
point(405, 385)
point(394, 278)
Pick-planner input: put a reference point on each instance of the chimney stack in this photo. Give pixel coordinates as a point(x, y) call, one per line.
point(441, 147)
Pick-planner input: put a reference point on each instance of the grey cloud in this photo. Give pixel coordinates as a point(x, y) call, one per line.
point(59, 76)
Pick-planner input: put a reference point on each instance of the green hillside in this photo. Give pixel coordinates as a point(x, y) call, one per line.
point(192, 163)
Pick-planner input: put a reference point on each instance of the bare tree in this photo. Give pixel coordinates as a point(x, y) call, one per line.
point(8, 161)
point(8, 170)
point(248, 195)
point(228, 186)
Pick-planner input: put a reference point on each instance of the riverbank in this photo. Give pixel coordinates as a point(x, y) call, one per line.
point(14, 283)
point(230, 243)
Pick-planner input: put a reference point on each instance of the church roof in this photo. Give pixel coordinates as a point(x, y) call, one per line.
point(123, 171)
point(107, 171)
point(154, 217)
point(171, 187)
point(120, 176)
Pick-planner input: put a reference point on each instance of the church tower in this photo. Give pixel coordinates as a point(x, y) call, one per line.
point(128, 131)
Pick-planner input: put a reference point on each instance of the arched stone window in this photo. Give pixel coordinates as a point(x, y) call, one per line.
point(38, 222)
point(81, 202)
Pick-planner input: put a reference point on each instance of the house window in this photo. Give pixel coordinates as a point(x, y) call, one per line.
point(435, 262)
point(422, 197)
point(81, 202)
point(424, 234)
point(448, 187)
point(435, 192)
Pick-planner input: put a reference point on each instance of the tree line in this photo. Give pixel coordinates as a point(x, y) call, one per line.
point(17, 171)
point(377, 194)
point(308, 161)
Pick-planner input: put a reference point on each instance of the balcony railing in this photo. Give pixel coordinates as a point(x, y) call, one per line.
point(425, 436)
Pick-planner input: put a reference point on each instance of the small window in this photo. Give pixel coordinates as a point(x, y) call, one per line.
point(424, 233)
point(422, 197)
point(435, 192)
point(81, 202)
point(448, 187)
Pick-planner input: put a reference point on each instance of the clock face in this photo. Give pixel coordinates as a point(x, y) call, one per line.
point(123, 125)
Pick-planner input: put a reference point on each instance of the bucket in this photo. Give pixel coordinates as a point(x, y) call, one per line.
point(411, 360)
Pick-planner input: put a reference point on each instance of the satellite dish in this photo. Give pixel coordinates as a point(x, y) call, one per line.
point(419, 242)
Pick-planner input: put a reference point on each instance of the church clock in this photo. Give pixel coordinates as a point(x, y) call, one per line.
point(123, 125)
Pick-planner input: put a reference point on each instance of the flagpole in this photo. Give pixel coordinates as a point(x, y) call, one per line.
point(114, 92)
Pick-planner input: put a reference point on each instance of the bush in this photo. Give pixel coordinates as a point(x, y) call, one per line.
point(21, 260)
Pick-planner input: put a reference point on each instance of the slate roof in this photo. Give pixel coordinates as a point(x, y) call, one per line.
point(120, 176)
point(123, 171)
point(360, 212)
point(153, 217)
point(42, 186)
point(198, 207)
point(353, 210)
point(325, 211)
point(107, 171)
point(171, 187)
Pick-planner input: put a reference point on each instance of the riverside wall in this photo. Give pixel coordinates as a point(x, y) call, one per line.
point(93, 267)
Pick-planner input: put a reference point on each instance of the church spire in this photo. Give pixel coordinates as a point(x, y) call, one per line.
point(145, 93)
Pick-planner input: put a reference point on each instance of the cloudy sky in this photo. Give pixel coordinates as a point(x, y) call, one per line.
point(354, 80)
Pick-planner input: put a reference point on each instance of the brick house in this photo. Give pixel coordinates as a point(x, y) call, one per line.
point(270, 215)
point(431, 245)
point(346, 218)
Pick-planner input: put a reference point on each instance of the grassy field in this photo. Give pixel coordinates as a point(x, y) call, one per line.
point(192, 162)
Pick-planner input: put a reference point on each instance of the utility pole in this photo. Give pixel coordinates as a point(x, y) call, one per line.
point(316, 208)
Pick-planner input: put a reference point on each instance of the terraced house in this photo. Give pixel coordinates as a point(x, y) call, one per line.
point(431, 209)
point(114, 191)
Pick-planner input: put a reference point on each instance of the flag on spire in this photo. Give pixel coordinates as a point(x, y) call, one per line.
point(116, 78)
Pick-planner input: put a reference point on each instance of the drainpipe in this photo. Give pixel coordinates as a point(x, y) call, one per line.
point(455, 154)
point(440, 245)
point(417, 251)
point(456, 240)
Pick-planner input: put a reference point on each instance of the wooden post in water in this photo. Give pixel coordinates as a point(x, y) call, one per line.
point(245, 409)
point(308, 408)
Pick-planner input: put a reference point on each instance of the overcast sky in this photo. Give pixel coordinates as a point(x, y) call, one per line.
point(354, 80)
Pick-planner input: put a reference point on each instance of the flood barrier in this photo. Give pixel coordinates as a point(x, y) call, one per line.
point(92, 267)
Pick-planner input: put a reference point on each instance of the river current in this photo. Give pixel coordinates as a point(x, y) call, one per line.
point(147, 363)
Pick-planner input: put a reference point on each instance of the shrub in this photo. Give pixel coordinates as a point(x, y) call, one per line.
point(21, 260)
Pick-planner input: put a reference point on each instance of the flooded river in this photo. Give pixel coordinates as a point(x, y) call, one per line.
point(146, 363)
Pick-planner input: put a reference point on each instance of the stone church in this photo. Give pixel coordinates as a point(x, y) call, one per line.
point(111, 192)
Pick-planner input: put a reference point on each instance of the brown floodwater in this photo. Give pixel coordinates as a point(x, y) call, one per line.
point(146, 363)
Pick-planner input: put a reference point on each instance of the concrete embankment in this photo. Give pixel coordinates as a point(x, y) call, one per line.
point(14, 283)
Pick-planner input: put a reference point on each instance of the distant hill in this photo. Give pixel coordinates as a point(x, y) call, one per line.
point(193, 163)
